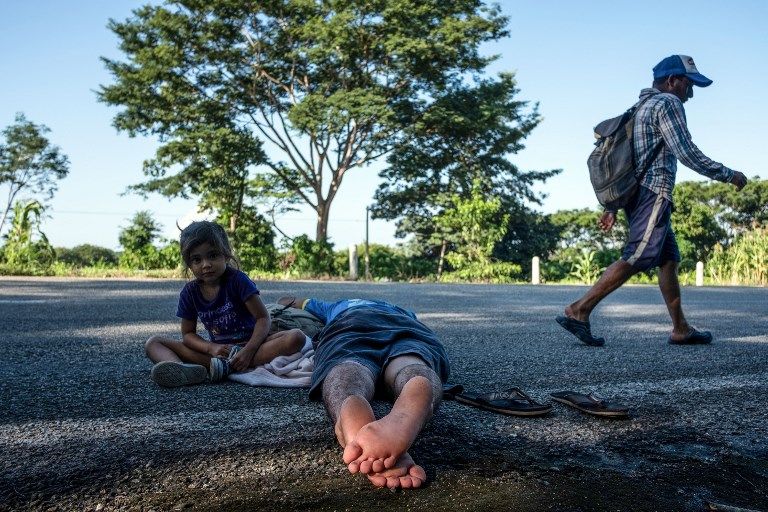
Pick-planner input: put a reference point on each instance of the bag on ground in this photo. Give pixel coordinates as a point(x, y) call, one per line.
point(286, 317)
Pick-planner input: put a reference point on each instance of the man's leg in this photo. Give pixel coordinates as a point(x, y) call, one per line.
point(648, 216)
point(347, 391)
point(381, 444)
point(670, 290)
point(614, 276)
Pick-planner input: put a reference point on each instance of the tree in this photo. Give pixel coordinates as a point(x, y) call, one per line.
point(529, 234)
point(470, 225)
point(579, 229)
point(215, 167)
point(695, 223)
point(328, 84)
point(253, 241)
point(29, 164)
point(139, 251)
point(583, 249)
point(142, 231)
point(462, 141)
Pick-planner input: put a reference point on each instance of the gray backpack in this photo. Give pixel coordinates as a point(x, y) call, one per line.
point(286, 317)
point(612, 162)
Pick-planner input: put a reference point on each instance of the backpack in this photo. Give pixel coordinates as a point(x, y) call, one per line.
point(286, 317)
point(612, 162)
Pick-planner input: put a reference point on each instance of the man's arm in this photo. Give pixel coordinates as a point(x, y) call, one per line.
point(291, 301)
point(674, 130)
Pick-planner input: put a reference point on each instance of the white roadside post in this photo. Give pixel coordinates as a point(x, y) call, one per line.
point(353, 262)
point(699, 273)
point(535, 278)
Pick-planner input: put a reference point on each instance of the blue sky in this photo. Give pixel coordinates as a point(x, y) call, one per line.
point(582, 61)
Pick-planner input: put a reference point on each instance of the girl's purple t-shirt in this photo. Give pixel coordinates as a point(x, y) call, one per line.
point(226, 318)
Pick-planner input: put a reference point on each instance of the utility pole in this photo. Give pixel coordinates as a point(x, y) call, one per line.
point(367, 258)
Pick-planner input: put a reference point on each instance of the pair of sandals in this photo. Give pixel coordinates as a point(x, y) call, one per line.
point(515, 402)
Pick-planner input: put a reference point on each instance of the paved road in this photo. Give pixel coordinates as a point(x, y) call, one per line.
point(83, 428)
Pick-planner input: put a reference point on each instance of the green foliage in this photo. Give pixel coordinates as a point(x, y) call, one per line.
point(745, 262)
point(310, 258)
point(150, 257)
point(528, 234)
point(142, 231)
point(26, 248)
point(386, 263)
point(86, 255)
point(463, 140)
point(29, 164)
point(584, 268)
point(580, 238)
point(470, 224)
point(331, 85)
point(695, 222)
point(579, 229)
point(253, 240)
point(487, 272)
point(139, 251)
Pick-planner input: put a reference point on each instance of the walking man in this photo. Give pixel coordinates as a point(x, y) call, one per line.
point(661, 138)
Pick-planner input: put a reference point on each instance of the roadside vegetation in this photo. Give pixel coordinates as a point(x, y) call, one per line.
point(734, 247)
point(330, 88)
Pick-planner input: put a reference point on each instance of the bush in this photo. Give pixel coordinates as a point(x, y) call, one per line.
point(150, 257)
point(309, 258)
point(499, 272)
point(253, 240)
point(86, 255)
point(388, 263)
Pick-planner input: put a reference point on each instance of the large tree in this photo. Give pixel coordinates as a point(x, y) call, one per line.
point(463, 140)
point(30, 166)
point(328, 85)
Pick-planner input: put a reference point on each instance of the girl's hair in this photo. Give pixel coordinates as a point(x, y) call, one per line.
point(201, 232)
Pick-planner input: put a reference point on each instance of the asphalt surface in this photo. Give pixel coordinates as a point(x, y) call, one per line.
point(83, 428)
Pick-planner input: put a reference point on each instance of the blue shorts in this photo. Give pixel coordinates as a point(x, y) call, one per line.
point(651, 240)
point(372, 338)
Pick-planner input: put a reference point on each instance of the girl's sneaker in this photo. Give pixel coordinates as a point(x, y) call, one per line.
point(219, 369)
point(234, 350)
point(171, 374)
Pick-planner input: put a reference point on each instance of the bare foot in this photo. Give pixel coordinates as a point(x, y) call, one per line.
point(405, 474)
point(355, 413)
point(379, 444)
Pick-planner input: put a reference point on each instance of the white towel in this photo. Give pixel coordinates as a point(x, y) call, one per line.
point(294, 371)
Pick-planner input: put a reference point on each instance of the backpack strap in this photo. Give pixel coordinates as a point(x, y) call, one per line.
point(656, 150)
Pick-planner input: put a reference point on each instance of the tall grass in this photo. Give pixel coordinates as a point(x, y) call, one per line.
point(745, 262)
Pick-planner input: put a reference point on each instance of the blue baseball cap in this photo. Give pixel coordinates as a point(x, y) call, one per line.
point(680, 65)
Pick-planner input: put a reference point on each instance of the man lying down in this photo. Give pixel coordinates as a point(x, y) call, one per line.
point(370, 346)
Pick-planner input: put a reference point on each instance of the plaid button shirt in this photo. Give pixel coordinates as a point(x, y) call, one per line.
point(661, 120)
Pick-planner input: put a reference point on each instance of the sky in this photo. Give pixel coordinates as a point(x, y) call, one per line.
point(582, 62)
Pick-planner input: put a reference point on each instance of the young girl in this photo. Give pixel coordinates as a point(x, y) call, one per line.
point(228, 304)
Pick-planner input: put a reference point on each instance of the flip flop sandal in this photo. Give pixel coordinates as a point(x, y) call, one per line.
point(451, 390)
point(590, 404)
point(693, 338)
point(512, 402)
point(581, 330)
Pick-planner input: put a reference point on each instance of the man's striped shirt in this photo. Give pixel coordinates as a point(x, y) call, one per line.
point(661, 119)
